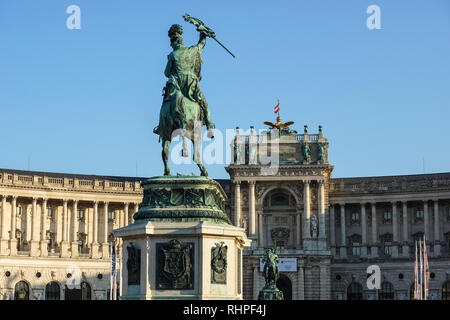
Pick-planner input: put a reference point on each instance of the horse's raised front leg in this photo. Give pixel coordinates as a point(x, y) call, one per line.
point(165, 156)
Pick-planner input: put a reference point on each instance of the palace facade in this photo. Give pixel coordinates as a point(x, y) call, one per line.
point(56, 229)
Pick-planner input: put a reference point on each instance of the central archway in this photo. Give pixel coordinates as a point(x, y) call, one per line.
point(285, 285)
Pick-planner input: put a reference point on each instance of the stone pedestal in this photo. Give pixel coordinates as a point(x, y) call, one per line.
point(405, 251)
point(182, 244)
point(13, 247)
point(74, 250)
point(270, 292)
point(105, 251)
point(34, 248)
point(64, 249)
point(95, 254)
point(4, 247)
point(44, 248)
point(374, 252)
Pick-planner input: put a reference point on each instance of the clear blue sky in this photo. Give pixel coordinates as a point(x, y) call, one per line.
point(86, 101)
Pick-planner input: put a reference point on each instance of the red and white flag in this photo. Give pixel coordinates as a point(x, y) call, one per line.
point(277, 107)
point(421, 271)
point(426, 268)
point(416, 278)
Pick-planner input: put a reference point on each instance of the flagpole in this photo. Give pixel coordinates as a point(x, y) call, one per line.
point(421, 270)
point(416, 271)
point(110, 278)
point(115, 271)
point(425, 267)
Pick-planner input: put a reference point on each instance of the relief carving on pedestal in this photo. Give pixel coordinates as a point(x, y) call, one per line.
point(219, 263)
point(175, 270)
point(133, 265)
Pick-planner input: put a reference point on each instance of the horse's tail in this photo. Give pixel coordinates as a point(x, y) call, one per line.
point(185, 151)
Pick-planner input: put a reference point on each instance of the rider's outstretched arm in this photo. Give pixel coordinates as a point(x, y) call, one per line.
point(201, 42)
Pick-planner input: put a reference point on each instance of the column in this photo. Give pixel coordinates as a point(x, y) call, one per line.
point(74, 249)
point(252, 209)
point(363, 230)
point(125, 220)
point(343, 249)
point(437, 232)
point(325, 285)
point(426, 222)
point(105, 245)
point(301, 282)
point(44, 249)
point(237, 203)
point(307, 211)
point(332, 230)
point(255, 280)
point(136, 209)
point(12, 234)
point(34, 249)
point(65, 240)
point(394, 230)
point(4, 232)
point(261, 241)
point(405, 249)
point(298, 223)
point(95, 244)
point(374, 247)
point(322, 210)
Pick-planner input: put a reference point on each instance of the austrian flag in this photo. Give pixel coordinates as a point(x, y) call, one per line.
point(277, 107)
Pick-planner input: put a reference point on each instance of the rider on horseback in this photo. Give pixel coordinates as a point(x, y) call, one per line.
point(183, 71)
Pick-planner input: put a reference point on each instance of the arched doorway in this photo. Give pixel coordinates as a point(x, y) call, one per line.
point(52, 291)
point(387, 291)
point(446, 291)
point(82, 292)
point(285, 285)
point(354, 291)
point(22, 291)
point(280, 219)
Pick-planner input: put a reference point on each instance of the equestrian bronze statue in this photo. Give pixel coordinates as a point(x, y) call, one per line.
point(184, 109)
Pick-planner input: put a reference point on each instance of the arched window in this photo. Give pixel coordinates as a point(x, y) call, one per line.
point(279, 199)
point(85, 291)
point(22, 291)
point(52, 291)
point(411, 292)
point(387, 291)
point(354, 291)
point(446, 291)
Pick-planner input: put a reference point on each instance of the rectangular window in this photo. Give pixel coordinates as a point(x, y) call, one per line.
point(387, 217)
point(387, 249)
point(356, 250)
point(355, 218)
point(80, 213)
point(49, 212)
point(111, 215)
point(18, 210)
point(419, 216)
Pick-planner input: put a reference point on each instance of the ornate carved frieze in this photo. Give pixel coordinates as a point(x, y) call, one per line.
point(280, 234)
point(182, 199)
